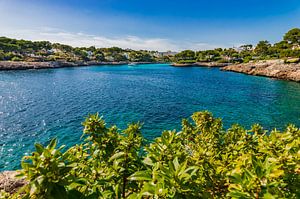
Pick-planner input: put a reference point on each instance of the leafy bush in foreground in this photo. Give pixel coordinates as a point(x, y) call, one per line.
point(201, 161)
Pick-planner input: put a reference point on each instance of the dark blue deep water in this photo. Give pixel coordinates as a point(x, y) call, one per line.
point(36, 105)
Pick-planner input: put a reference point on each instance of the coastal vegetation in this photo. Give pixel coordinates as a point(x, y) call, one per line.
point(42, 51)
point(287, 49)
point(201, 161)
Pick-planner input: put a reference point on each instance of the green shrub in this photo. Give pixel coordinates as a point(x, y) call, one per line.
point(16, 58)
point(247, 59)
point(4, 195)
point(8, 56)
point(292, 61)
point(200, 161)
point(186, 61)
point(2, 55)
point(222, 61)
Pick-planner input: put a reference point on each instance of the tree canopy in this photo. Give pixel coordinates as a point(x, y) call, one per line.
point(293, 36)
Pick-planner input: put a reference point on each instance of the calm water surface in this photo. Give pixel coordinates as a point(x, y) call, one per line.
point(36, 105)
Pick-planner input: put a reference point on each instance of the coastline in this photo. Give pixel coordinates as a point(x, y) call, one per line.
point(268, 68)
point(22, 65)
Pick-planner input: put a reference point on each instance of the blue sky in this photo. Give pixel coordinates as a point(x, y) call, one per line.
point(154, 25)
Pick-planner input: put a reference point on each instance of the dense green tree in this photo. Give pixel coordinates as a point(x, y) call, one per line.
point(2, 55)
point(185, 55)
point(9, 56)
point(140, 56)
point(282, 45)
point(230, 52)
point(246, 53)
point(112, 50)
point(262, 48)
point(91, 49)
point(8, 47)
point(119, 57)
point(246, 47)
point(293, 36)
point(99, 56)
point(81, 53)
point(63, 47)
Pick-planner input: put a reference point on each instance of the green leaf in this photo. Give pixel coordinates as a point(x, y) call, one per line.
point(148, 161)
point(134, 196)
point(39, 148)
point(40, 179)
point(116, 156)
point(75, 194)
point(33, 188)
point(141, 176)
point(176, 163)
point(25, 165)
point(52, 144)
point(238, 195)
point(269, 196)
point(148, 189)
point(59, 192)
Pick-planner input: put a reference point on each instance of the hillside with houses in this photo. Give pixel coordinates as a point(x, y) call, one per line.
point(44, 51)
point(288, 50)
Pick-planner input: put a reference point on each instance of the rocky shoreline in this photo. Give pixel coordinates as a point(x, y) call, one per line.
point(20, 65)
point(269, 68)
point(10, 183)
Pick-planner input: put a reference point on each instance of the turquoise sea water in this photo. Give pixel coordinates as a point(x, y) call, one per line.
point(36, 105)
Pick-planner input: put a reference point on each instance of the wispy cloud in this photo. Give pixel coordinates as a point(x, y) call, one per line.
point(84, 40)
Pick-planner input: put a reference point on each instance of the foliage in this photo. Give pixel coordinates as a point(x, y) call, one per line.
point(2, 55)
point(23, 50)
point(293, 36)
point(140, 56)
point(4, 195)
point(16, 58)
point(201, 161)
point(185, 55)
point(16, 50)
point(289, 47)
point(263, 48)
point(186, 61)
point(292, 61)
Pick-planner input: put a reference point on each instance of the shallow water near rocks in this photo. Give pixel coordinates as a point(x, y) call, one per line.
point(36, 105)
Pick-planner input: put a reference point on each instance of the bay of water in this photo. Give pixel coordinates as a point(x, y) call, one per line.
point(36, 105)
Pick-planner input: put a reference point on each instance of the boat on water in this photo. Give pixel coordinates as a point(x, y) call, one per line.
point(132, 64)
